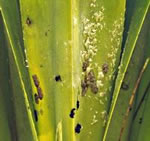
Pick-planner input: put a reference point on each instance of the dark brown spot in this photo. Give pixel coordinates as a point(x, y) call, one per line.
point(28, 21)
point(84, 87)
point(94, 88)
point(85, 65)
point(36, 98)
point(105, 68)
point(91, 77)
point(72, 113)
point(35, 115)
point(36, 81)
point(78, 128)
point(124, 86)
point(40, 93)
point(58, 78)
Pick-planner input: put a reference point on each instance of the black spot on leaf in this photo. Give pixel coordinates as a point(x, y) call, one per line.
point(78, 128)
point(78, 104)
point(28, 21)
point(72, 113)
point(35, 115)
point(58, 78)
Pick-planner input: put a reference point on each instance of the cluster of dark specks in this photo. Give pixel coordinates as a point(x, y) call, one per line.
point(89, 81)
point(39, 90)
point(36, 81)
point(105, 68)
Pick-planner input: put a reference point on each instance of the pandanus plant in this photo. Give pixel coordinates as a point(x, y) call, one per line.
point(74, 70)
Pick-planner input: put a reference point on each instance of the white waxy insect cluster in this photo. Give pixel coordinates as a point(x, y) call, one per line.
point(104, 117)
point(116, 34)
point(90, 29)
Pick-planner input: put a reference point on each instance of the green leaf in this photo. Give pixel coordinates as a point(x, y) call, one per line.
point(120, 98)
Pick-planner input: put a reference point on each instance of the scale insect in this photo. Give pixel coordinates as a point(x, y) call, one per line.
point(105, 68)
point(36, 81)
point(40, 93)
point(28, 21)
point(36, 98)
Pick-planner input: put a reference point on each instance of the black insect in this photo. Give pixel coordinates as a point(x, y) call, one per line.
point(78, 128)
point(35, 115)
point(28, 21)
point(78, 104)
point(72, 113)
point(105, 68)
point(58, 78)
point(40, 93)
point(36, 98)
point(36, 81)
